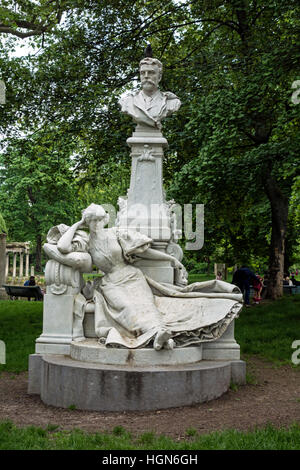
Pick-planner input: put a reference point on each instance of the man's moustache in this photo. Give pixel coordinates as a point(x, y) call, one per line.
point(148, 81)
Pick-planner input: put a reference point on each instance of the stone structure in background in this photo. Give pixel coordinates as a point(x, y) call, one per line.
point(17, 252)
point(220, 268)
point(138, 338)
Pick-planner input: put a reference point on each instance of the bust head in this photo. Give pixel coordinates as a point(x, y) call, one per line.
point(95, 213)
point(150, 74)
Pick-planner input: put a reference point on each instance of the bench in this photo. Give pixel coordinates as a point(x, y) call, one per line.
point(290, 289)
point(15, 292)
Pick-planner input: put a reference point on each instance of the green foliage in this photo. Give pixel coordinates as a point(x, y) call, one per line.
point(37, 187)
point(30, 18)
point(241, 124)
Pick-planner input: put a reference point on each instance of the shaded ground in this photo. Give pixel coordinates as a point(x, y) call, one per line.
point(273, 397)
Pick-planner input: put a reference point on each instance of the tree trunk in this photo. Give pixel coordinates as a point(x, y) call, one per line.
point(286, 258)
point(2, 258)
point(279, 208)
point(38, 254)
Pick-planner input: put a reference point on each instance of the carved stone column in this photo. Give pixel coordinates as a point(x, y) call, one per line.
point(2, 258)
point(7, 265)
point(147, 210)
point(27, 265)
point(21, 264)
point(14, 265)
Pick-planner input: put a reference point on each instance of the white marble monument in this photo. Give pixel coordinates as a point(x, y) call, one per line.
point(141, 313)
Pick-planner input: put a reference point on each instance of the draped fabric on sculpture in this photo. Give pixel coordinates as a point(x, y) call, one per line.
point(127, 301)
point(131, 308)
point(132, 243)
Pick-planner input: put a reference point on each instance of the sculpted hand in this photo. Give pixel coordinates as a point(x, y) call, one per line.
point(80, 223)
point(177, 264)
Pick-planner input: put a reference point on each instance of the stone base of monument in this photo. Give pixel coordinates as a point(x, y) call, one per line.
point(101, 379)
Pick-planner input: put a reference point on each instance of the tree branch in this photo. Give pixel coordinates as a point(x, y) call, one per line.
point(8, 30)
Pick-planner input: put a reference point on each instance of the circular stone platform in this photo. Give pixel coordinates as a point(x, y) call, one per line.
point(90, 350)
point(103, 387)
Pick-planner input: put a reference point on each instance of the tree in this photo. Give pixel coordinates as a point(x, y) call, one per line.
point(241, 116)
point(37, 187)
point(27, 18)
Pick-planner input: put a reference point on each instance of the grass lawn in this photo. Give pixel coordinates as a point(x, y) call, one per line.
point(268, 330)
point(200, 277)
point(34, 438)
point(20, 325)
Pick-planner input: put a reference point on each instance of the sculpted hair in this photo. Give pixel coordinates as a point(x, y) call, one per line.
point(95, 210)
point(152, 61)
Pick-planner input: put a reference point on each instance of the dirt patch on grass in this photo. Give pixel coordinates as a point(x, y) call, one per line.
point(273, 396)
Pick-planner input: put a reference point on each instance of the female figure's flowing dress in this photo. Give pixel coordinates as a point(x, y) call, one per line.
point(131, 308)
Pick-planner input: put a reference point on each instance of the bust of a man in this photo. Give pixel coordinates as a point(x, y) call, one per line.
point(150, 105)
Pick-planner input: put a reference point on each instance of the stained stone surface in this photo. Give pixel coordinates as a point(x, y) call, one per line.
point(90, 350)
point(62, 381)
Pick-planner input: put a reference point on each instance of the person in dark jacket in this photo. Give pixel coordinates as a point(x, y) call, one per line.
point(294, 281)
point(37, 294)
point(242, 278)
point(30, 281)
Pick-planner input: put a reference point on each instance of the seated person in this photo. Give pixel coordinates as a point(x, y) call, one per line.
point(30, 281)
point(38, 293)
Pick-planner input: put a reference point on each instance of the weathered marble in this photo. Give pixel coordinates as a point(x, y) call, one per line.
point(150, 106)
point(139, 337)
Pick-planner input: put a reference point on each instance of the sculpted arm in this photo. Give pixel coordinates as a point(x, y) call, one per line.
point(150, 253)
point(64, 244)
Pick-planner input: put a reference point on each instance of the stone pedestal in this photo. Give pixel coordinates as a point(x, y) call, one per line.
point(225, 348)
point(63, 284)
point(91, 351)
point(57, 325)
point(93, 377)
point(62, 381)
point(147, 210)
